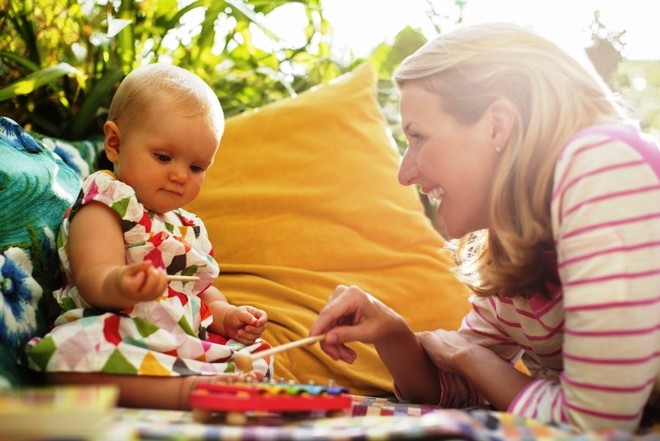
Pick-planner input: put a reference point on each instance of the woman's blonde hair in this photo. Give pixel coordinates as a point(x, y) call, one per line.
point(555, 96)
point(165, 88)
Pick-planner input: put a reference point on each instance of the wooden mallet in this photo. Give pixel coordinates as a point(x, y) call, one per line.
point(244, 361)
point(178, 278)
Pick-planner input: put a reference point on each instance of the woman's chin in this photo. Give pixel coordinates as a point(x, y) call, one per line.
point(441, 227)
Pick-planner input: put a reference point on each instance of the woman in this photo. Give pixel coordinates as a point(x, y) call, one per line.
point(552, 204)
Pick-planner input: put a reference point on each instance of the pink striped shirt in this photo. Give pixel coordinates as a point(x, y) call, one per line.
point(594, 349)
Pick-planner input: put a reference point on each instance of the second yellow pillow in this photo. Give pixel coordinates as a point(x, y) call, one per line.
point(304, 196)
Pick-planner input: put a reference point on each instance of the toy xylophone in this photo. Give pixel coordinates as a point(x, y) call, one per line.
point(237, 401)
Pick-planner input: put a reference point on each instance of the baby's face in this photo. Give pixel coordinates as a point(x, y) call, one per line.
point(165, 158)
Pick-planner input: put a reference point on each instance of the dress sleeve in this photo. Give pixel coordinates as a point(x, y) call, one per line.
point(104, 187)
point(606, 222)
point(201, 240)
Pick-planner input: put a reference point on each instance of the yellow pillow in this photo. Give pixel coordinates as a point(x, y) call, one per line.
point(303, 196)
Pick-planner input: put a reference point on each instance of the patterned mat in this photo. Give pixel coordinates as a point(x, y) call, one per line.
point(369, 419)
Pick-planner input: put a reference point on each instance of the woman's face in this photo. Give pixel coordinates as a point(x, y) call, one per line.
point(451, 162)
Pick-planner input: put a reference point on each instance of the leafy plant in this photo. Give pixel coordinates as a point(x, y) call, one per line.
point(61, 60)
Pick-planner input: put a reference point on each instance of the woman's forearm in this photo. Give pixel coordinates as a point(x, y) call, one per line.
point(414, 374)
point(494, 378)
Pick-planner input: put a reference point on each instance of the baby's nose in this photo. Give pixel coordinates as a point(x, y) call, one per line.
point(180, 176)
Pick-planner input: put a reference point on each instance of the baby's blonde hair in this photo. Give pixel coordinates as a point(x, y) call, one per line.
point(555, 96)
point(168, 88)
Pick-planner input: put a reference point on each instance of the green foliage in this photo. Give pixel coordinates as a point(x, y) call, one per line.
point(61, 60)
point(385, 60)
point(638, 82)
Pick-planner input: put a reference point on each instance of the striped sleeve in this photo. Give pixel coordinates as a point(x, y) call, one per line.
point(484, 325)
point(606, 222)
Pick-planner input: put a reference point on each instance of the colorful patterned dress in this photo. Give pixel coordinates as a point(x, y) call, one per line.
point(163, 337)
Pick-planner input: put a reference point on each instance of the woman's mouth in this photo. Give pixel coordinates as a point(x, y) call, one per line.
point(436, 195)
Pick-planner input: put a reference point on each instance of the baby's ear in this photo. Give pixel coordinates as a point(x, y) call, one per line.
point(112, 140)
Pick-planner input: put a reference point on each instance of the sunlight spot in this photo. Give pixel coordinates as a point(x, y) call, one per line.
point(566, 22)
point(288, 23)
point(115, 26)
point(639, 84)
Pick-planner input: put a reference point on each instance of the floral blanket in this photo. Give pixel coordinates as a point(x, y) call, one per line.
point(39, 179)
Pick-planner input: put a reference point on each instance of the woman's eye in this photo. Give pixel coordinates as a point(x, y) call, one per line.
point(162, 158)
point(414, 138)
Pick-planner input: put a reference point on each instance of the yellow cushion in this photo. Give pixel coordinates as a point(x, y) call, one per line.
point(303, 196)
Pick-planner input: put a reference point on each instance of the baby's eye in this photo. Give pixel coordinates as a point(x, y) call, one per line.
point(162, 157)
point(196, 169)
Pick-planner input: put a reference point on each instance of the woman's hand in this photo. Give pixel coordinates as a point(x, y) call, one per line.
point(351, 314)
point(494, 378)
point(443, 347)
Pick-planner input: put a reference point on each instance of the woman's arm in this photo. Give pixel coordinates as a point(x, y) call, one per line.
point(353, 315)
point(415, 376)
point(494, 378)
point(606, 221)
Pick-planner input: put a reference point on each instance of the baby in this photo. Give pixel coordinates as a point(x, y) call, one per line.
point(123, 321)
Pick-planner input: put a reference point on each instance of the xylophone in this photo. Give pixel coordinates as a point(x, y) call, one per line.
point(238, 401)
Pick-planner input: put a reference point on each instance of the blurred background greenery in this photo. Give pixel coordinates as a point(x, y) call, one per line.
point(61, 60)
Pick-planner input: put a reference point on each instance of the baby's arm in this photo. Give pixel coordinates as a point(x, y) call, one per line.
point(98, 262)
point(242, 323)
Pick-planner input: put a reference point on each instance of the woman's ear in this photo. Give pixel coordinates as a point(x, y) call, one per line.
point(503, 115)
point(112, 140)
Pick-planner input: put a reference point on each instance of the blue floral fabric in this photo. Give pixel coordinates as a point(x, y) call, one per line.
point(39, 179)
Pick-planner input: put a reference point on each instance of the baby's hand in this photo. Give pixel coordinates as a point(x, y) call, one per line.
point(245, 324)
point(140, 282)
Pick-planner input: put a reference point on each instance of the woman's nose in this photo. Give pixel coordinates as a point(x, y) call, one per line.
point(408, 169)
